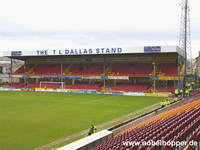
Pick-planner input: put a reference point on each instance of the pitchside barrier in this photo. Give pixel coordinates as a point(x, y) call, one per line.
point(89, 142)
point(88, 92)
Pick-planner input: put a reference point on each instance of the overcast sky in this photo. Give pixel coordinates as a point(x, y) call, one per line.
point(55, 24)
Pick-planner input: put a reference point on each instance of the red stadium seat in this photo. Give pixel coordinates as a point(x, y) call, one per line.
point(132, 69)
point(84, 86)
point(132, 88)
point(180, 127)
point(86, 69)
point(23, 69)
point(169, 69)
point(167, 89)
point(47, 69)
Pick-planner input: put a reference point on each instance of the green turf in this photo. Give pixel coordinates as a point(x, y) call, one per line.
point(32, 119)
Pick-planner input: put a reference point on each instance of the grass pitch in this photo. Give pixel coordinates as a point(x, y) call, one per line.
point(31, 119)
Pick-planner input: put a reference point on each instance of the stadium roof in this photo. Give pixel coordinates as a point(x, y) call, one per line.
point(95, 51)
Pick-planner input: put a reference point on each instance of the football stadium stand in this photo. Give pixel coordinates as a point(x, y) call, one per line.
point(138, 70)
point(125, 69)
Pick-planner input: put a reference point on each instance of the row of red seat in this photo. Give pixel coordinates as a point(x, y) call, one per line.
point(169, 69)
point(84, 86)
point(120, 87)
point(181, 127)
point(23, 69)
point(87, 69)
point(167, 89)
point(17, 85)
point(43, 85)
point(145, 69)
point(132, 69)
point(133, 88)
point(43, 69)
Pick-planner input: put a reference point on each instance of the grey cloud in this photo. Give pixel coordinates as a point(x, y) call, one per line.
point(95, 36)
point(105, 34)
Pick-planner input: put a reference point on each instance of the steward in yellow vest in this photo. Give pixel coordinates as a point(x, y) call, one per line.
point(176, 92)
point(181, 92)
point(187, 92)
point(162, 104)
point(175, 99)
